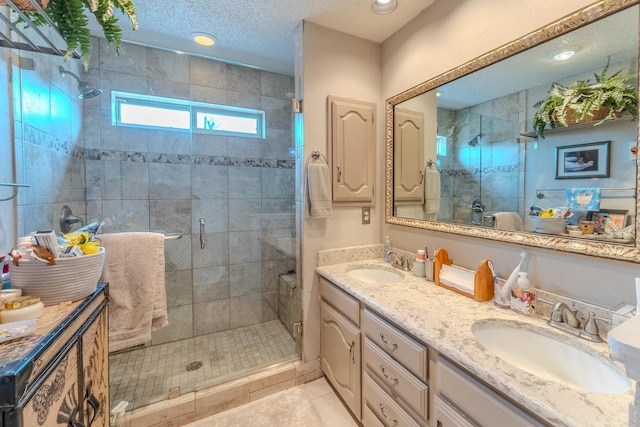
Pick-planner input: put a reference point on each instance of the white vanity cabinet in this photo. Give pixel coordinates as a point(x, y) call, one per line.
point(340, 343)
point(461, 401)
point(395, 373)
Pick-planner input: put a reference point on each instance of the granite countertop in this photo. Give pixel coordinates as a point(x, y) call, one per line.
point(443, 320)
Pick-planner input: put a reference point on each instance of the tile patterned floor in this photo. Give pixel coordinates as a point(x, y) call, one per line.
point(146, 375)
point(310, 405)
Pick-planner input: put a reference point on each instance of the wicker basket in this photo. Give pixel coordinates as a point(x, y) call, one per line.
point(25, 5)
point(70, 279)
point(549, 225)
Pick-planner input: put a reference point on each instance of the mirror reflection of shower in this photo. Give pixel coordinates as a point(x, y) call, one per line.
point(475, 142)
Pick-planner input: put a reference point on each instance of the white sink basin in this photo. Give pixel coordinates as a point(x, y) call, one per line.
point(377, 275)
point(546, 355)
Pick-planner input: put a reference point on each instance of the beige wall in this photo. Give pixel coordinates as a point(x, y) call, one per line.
point(349, 67)
point(446, 35)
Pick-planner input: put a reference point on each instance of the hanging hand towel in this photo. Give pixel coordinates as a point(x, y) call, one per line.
point(134, 268)
point(431, 193)
point(508, 221)
point(583, 199)
point(319, 190)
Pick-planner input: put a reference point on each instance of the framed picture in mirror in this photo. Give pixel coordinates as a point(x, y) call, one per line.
point(608, 221)
point(583, 160)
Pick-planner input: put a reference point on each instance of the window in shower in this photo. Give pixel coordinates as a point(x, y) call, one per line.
point(147, 111)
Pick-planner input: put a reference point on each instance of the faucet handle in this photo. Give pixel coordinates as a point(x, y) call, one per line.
point(591, 330)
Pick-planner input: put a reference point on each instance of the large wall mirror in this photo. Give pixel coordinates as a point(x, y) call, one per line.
point(462, 155)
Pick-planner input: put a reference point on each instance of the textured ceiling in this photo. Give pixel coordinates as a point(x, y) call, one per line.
point(259, 33)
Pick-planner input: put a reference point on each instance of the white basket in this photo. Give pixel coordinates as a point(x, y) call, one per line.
point(70, 279)
point(549, 225)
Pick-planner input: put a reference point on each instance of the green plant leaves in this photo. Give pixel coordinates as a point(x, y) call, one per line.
point(583, 98)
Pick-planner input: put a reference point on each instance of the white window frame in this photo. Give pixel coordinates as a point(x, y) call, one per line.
point(119, 98)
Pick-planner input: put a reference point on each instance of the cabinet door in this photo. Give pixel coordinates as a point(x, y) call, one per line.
point(340, 355)
point(96, 373)
point(353, 145)
point(408, 156)
point(57, 400)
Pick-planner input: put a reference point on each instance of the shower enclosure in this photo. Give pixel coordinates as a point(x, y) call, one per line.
point(483, 169)
point(232, 302)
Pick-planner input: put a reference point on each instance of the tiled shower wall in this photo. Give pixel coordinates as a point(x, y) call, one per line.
point(493, 171)
point(165, 181)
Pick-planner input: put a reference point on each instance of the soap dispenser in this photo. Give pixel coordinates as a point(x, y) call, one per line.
point(523, 295)
point(386, 249)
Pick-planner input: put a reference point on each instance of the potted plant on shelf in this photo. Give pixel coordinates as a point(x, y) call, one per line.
point(71, 17)
point(608, 98)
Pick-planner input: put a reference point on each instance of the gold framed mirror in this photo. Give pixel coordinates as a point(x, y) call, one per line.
point(455, 115)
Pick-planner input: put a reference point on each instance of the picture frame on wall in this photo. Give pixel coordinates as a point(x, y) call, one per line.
point(608, 221)
point(579, 161)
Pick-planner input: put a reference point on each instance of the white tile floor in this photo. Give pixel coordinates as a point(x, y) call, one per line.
point(327, 410)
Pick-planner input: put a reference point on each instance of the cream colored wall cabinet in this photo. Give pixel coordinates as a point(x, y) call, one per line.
point(462, 401)
point(353, 147)
point(340, 344)
point(59, 375)
point(408, 156)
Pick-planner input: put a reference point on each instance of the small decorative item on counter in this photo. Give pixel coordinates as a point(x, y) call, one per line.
point(21, 308)
point(419, 264)
point(13, 330)
point(523, 295)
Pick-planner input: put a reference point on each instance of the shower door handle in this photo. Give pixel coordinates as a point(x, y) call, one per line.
point(202, 234)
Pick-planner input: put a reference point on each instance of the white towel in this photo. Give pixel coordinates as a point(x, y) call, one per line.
point(319, 190)
point(134, 268)
point(508, 221)
point(431, 192)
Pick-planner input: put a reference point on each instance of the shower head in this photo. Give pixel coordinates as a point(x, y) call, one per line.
point(475, 141)
point(86, 89)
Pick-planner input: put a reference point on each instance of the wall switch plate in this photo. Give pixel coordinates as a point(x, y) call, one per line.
point(366, 215)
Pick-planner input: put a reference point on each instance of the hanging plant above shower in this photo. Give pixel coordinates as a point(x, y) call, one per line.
point(71, 17)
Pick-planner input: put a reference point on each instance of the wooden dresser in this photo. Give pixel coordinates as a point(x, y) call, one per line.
point(59, 374)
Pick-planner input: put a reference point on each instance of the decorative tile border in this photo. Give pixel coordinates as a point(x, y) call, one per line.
point(42, 139)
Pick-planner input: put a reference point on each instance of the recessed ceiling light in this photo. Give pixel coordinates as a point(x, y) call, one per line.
point(382, 7)
point(203, 39)
point(564, 54)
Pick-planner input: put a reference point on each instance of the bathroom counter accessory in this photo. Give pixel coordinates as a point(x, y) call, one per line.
point(477, 285)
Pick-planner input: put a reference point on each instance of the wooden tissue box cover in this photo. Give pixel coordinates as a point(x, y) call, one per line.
point(482, 279)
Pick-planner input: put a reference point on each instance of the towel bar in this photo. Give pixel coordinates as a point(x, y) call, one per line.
point(172, 236)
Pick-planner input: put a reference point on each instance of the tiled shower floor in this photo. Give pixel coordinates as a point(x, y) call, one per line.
point(146, 375)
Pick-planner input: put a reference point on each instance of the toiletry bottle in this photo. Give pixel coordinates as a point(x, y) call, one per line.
point(523, 295)
point(387, 248)
point(419, 264)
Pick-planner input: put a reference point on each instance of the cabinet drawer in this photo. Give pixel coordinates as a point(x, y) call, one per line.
point(477, 401)
point(410, 353)
point(340, 300)
point(446, 416)
point(396, 378)
point(383, 406)
point(369, 419)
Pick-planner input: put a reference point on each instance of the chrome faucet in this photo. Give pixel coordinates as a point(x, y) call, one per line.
point(399, 261)
point(568, 320)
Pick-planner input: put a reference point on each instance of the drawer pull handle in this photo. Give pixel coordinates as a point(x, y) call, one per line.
point(351, 352)
point(388, 344)
point(390, 378)
point(394, 421)
point(439, 423)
